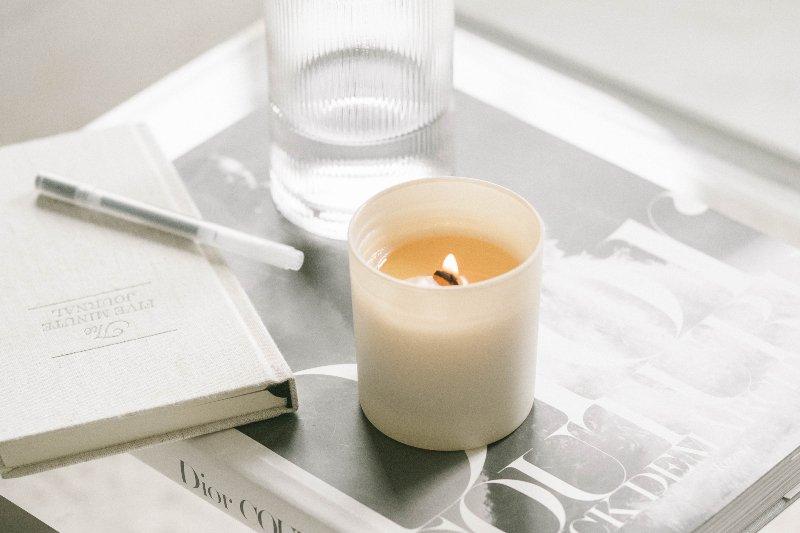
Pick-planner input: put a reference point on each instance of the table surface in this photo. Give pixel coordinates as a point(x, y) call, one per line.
point(230, 81)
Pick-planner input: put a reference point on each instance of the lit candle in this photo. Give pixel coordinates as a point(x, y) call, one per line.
point(445, 277)
point(434, 260)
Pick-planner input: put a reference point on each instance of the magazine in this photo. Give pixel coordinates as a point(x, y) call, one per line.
point(666, 391)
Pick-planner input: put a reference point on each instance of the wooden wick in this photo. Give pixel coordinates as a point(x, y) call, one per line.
point(445, 278)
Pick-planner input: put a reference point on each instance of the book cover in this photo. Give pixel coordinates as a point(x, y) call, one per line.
point(115, 335)
point(666, 392)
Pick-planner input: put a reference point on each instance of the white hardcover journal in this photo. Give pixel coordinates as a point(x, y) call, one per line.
point(112, 335)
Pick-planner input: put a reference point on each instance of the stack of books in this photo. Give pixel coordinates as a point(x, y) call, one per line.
point(668, 371)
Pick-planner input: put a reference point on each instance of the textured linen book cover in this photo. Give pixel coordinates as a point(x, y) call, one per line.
point(114, 335)
point(667, 386)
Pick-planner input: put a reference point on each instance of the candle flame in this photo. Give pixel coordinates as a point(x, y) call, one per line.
point(450, 264)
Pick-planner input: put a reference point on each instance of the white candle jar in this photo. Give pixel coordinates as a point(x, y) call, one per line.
point(446, 368)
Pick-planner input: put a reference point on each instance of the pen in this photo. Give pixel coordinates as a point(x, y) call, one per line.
point(208, 233)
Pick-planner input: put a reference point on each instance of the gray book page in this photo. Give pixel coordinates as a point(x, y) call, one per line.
point(668, 353)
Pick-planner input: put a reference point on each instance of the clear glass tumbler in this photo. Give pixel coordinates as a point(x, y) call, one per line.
point(359, 92)
point(354, 72)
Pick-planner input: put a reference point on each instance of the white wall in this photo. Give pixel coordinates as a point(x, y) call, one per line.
point(63, 63)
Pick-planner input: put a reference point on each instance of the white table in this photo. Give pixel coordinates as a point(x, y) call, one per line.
point(228, 82)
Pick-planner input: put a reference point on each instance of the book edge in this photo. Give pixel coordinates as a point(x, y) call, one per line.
point(292, 495)
point(762, 495)
point(241, 499)
point(180, 434)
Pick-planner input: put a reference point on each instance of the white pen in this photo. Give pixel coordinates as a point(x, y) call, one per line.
point(208, 233)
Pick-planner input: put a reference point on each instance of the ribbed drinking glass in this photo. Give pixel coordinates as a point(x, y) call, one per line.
point(359, 71)
point(359, 92)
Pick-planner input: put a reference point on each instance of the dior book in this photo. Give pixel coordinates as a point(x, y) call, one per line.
point(115, 336)
point(667, 386)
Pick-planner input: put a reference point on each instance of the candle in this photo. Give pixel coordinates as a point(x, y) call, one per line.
point(445, 277)
point(435, 258)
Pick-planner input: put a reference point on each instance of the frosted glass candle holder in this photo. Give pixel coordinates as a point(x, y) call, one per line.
point(446, 368)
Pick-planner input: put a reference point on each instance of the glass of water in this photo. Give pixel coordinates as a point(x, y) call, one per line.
point(354, 72)
point(359, 93)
